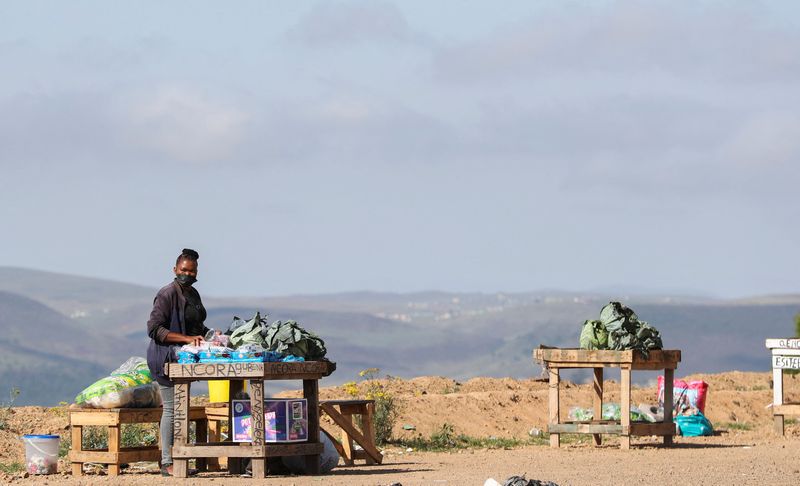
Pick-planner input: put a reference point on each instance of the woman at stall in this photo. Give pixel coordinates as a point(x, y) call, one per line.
point(176, 319)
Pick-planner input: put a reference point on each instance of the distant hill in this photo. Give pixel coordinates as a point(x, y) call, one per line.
point(67, 331)
point(43, 353)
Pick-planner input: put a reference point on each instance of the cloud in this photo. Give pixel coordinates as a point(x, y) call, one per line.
point(329, 24)
point(345, 128)
point(768, 139)
point(717, 42)
point(183, 124)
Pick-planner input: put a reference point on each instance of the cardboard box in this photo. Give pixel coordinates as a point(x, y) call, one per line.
point(285, 420)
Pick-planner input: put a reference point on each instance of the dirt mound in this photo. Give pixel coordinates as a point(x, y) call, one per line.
point(737, 405)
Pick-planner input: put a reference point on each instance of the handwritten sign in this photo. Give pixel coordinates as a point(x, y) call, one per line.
point(786, 343)
point(257, 390)
point(786, 362)
point(181, 414)
point(222, 370)
point(276, 370)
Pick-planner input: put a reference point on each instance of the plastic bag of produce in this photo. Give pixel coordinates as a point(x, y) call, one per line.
point(685, 394)
point(694, 425)
point(129, 386)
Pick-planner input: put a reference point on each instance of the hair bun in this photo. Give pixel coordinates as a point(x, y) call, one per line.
point(191, 253)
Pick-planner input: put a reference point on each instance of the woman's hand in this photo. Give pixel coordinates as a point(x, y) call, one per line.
point(194, 340)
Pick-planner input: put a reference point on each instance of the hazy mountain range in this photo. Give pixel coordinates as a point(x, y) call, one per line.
point(63, 332)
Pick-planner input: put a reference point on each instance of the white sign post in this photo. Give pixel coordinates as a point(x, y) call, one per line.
point(785, 356)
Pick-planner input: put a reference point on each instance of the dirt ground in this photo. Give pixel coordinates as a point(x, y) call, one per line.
point(744, 449)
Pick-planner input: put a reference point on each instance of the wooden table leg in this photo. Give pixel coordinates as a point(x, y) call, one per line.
point(77, 446)
point(212, 463)
point(114, 439)
point(598, 402)
point(201, 437)
point(347, 442)
point(555, 439)
point(625, 408)
point(235, 464)
point(369, 430)
point(180, 467)
point(669, 377)
point(777, 398)
point(311, 394)
point(258, 464)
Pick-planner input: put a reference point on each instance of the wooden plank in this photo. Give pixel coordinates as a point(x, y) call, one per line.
point(311, 394)
point(625, 407)
point(267, 371)
point(114, 440)
point(139, 416)
point(346, 424)
point(346, 402)
point(235, 464)
point(592, 364)
point(582, 428)
point(581, 364)
point(214, 430)
point(788, 343)
point(227, 450)
point(786, 362)
point(635, 366)
point(97, 418)
point(127, 456)
point(297, 449)
point(669, 378)
point(76, 432)
point(613, 428)
point(117, 416)
point(103, 457)
point(786, 409)
point(233, 449)
point(216, 413)
point(584, 355)
point(553, 405)
point(779, 430)
point(597, 408)
point(786, 352)
point(180, 467)
point(607, 357)
point(347, 440)
point(201, 435)
point(258, 465)
point(353, 408)
point(654, 366)
point(657, 428)
point(367, 419)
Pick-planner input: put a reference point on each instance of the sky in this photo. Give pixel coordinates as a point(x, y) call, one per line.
point(316, 147)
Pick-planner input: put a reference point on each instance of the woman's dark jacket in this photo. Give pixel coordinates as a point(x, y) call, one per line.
point(167, 316)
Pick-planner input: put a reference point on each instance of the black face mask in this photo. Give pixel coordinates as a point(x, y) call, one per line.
point(184, 279)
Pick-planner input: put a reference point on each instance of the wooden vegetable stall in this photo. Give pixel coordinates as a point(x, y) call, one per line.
point(785, 356)
point(555, 359)
point(257, 450)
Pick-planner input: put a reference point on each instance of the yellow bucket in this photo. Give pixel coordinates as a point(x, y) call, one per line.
point(219, 390)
